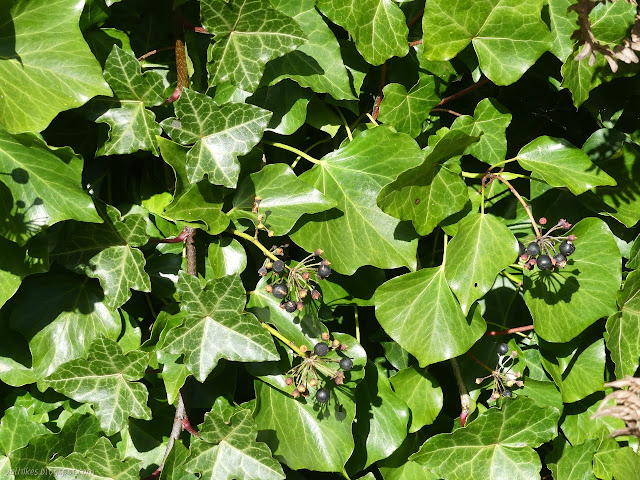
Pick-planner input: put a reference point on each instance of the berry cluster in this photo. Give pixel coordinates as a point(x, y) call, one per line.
point(308, 375)
point(292, 284)
point(503, 377)
point(542, 251)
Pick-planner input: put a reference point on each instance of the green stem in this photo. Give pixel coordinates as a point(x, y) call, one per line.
point(526, 207)
point(346, 124)
point(300, 153)
point(306, 150)
point(444, 248)
point(282, 338)
point(512, 278)
point(355, 314)
point(256, 242)
point(513, 299)
point(507, 175)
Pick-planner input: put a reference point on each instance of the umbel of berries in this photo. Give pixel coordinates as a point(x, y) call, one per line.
point(548, 250)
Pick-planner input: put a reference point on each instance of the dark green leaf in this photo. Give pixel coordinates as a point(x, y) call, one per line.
point(623, 328)
point(422, 393)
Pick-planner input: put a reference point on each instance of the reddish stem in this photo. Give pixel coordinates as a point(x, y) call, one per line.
point(186, 424)
point(463, 92)
point(376, 106)
point(415, 42)
point(153, 52)
point(180, 238)
point(508, 331)
point(413, 21)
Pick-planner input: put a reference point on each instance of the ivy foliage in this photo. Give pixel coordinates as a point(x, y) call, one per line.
point(308, 239)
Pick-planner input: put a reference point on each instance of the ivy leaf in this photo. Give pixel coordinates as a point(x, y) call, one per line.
point(288, 101)
point(431, 192)
point(220, 134)
point(40, 186)
point(248, 33)
point(18, 428)
point(508, 37)
point(61, 325)
point(353, 176)
point(577, 366)
point(229, 450)
point(316, 64)
point(479, 238)
point(626, 464)
point(376, 44)
point(431, 326)
point(422, 393)
point(18, 262)
point(612, 23)
point(282, 207)
point(407, 111)
point(499, 443)
point(566, 302)
point(132, 126)
point(215, 326)
point(46, 65)
point(226, 257)
point(563, 24)
point(560, 164)
point(102, 460)
point(106, 379)
point(285, 424)
point(580, 77)
point(624, 328)
point(99, 251)
point(575, 462)
point(578, 424)
point(193, 203)
point(381, 420)
point(490, 121)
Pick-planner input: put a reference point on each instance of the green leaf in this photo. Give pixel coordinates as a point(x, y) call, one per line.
point(624, 328)
point(353, 176)
point(226, 257)
point(378, 26)
point(578, 424)
point(407, 111)
point(626, 464)
point(17, 429)
point(431, 192)
point(490, 121)
point(381, 420)
point(106, 379)
point(430, 325)
point(46, 66)
point(61, 325)
point(580, 77)
point(18, 262)
point(575, 462)
point(611, 23)
point(398, 467)
point(563, 303)
point(216, 327)
point(288, 101)
point(508, 36)
point(286, 424)
point(101, 461)
point(357, 289)
point(480, 238)
point(563, 24)
point(248, 33)
point(422, 393)
point(498, 444)
point(577, 366)
point(40, 186)
point(220, 134)
point(316, 64)
point(560, 164)
point(285, 198)
point(229, 450)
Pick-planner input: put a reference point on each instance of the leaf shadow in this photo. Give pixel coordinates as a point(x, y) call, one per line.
point(548, 286)
point(20, 220)
point(8, 35)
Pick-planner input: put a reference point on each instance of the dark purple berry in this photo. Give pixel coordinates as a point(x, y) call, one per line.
point(346, 364)
point(262, 272)
point(321, 349)
point(561, 260)
point(533, 249)
point(503, 348)
point(544, 262)
point(507, 394)
point(280, 290)
point(322, 395)
point(324, 271)
point(521, 249)
point(290, 306)
point(278, 266)
point(567, 248)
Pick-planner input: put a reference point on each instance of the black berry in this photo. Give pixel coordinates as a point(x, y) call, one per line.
point(560, 259)
point(278, 266)
point(262, 272)
point(521, 248)
point(507, 394)
point(322, 395)
point(346, 364)
point(533, 249)
point(321, 349)
point(503, 348)
point(567, 248)
point(290, 306)
point(280, 290)
point(544, 262)
point(324, 271)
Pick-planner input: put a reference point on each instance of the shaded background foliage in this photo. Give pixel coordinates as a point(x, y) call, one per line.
point(409, 140)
